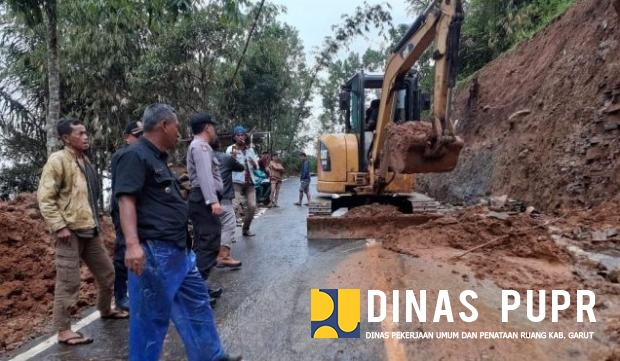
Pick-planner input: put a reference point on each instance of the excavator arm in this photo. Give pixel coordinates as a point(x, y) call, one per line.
point(440, 23)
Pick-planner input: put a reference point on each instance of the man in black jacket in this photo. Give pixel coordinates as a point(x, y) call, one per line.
point(133, 131)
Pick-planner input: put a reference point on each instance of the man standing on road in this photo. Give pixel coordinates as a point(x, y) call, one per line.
point(243, 182)
point(205, 209)
point(276, 173)
point(67, 195)
point(132, 133)
point(164, 282)
point(304, 177)
point(228, 217)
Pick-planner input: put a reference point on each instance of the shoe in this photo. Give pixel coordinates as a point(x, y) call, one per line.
point(228, 262)
point(248, 234)
point(224, 259)
point(212, 302)
point(215, 292)
point(231, 358)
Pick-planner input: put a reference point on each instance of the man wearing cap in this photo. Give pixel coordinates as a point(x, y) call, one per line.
point(132, 133)
point(244, 181)
point(164, 282)
point(203, 169)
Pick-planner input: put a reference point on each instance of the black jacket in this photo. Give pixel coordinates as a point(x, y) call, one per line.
point(228, 165)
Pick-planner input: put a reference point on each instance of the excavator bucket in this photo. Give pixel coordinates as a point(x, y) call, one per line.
point(408, 149)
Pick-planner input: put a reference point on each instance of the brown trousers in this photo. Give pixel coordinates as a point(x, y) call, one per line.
point(275, 191)
point(68, 255)
point(245, 196)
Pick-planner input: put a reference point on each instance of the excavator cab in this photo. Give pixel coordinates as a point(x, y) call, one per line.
point(356, 104)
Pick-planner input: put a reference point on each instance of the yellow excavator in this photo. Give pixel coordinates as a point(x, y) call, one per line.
point(366, 165)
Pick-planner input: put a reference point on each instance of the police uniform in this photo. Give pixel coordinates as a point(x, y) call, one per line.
point(203, 169)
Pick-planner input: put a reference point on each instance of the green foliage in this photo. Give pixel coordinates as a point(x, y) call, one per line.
point(117, 56)
point(18, 178)
point(492, 27)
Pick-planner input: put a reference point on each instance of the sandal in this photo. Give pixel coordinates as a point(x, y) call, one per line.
point(116, 315)
point(78, 339)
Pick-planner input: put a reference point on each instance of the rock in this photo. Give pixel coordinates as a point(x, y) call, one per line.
point(499, 202)
point(498, 215)
point(595, 153)
point(614, 275)
point(612, 108)
point(580, 234)
point(599, 236)
point(611, 125)
point(595, 140)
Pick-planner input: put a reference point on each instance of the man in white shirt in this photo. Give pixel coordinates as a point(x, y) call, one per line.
point(244, 181)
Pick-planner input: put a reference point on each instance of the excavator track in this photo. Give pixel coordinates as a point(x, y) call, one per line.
point(324, 224)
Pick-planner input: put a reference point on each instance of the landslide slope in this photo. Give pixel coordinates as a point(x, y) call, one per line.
point(542, 122)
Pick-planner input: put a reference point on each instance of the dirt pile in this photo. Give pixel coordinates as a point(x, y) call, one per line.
point(516, 251)
point(373, 210)
point(407, 149)
point(515, 236)
point(27, 271)
point(542, 123)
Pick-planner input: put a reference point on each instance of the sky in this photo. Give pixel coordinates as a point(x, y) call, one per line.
point(314, 19)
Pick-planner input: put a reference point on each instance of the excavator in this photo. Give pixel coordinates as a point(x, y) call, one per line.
point(365, 165)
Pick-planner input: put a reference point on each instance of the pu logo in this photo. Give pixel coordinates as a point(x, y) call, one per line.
point(335, 313)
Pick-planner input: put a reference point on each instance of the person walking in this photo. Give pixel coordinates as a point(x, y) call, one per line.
point(67, 197)
point(133, 131)
point(243, 182)
point(304, 178)
point(276, 174)
point(205, 209)
point(228, 217)
point(164, 281)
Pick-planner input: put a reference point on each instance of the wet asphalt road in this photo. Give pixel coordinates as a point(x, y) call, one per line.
point(264, 311)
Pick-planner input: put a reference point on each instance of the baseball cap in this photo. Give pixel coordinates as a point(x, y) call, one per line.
point(239, 130)
point(197, 121)
point(134, 128)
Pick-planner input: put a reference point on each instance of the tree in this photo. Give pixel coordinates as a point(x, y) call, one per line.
point(34, 13)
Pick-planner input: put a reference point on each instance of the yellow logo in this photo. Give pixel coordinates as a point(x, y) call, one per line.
point(335, 313)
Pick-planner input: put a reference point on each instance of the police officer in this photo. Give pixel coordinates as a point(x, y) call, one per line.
point(203, 169)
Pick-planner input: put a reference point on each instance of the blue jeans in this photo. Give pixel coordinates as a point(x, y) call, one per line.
point(170, 288)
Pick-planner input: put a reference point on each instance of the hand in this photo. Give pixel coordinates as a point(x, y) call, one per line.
point(216, 208)
point(134, 258)
point(63, 235)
